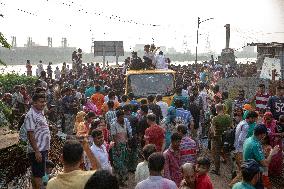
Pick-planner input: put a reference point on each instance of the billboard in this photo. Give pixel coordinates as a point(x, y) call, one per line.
point(108, 48)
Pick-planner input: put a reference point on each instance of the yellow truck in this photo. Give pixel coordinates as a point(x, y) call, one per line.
point(143, 83)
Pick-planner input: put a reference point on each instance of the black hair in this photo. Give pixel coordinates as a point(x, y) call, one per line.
point(111, 94)
point(203, 161)
point(134, 108)
point(89, 115)
point(247, 175)
point(37, 96)
point(176, 137)
point(156, 162)
point(252, 114)
point(124, 98)
point(179, 90)
point(148, 150)
point(127, 107)
point(201, 86)
point(72, 152)
point(130, 96)
point(159, 97)
point(145, 108)
point(281, 118)
point(260, 129)
point(261, 85)
point(225, 94)
point(49, 164)
point(216, 88)
point(150, 98)
point(42, 74)
point(143, 102)
point(102, 179)
point(178, 103)
point(110, 104)
point(151, 117)
point(97, 88)
point(96, 133)
point(182, 128)
point(119, 113)
point(40, 90)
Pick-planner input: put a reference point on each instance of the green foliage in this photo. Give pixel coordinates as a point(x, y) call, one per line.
point(7, 112)
point(5, 44)
point(2, 63)
point(3, 41)
point(8, 81)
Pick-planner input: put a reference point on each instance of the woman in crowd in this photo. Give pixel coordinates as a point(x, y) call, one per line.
point(276, 165)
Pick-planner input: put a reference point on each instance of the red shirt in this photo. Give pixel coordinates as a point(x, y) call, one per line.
point(172, 167)
point(155, 135)
point(203, 182)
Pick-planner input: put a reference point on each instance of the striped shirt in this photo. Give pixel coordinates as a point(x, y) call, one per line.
point(109, 116)
point(261, 101)
point(35, 121)
point(188, 150)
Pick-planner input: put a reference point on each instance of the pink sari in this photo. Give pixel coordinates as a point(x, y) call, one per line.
point(276, 164)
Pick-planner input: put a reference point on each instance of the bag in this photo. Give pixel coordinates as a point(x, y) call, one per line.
point(23, 135)
point(228, 139)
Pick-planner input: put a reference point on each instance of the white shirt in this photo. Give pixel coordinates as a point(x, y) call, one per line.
point(203, 94)
point(160, 62)
point(78, 95)
point(184, 92)
point(102, 156)
point(156, 182)
point(57, 73)
point(142, 171)
point(241, 135)
point(164, 108)
point(106, 99)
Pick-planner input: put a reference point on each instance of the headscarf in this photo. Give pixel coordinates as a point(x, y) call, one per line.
point(272, 125)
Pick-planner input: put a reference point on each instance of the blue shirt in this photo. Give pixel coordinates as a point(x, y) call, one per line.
point(243, 185)
point(252, 149)
point(203, 76)
point(184, 100)
point(135, 103)
point(183, 115)
point(90, 91)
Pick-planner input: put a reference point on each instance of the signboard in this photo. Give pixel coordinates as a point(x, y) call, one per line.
point(108, 48)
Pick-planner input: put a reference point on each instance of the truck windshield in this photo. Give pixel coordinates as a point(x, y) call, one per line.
point(143, 85)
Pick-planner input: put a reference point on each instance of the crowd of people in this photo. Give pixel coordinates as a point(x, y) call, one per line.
point(109, 134)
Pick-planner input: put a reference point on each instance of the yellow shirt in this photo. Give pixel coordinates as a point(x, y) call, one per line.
point(74, 180)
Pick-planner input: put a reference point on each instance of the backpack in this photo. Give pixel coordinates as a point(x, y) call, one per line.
point(23, 134)
point(228, 138)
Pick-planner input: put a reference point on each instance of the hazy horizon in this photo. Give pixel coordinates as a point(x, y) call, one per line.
point(176, 22)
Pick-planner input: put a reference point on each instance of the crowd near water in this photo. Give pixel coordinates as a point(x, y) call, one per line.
point(110, 133)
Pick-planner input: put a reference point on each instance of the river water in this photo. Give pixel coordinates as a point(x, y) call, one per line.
point(21, 69)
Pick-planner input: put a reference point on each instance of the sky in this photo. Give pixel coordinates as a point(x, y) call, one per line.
point(175, 22)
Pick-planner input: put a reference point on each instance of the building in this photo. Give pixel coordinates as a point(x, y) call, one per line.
point(269, 50)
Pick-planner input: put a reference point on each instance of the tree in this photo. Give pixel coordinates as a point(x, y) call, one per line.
point(5, 44)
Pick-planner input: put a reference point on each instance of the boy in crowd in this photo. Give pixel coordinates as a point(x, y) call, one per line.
point(73, 177)
point(155, 180)
point(172, 169)
point(203, 181)
point(142, 170)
